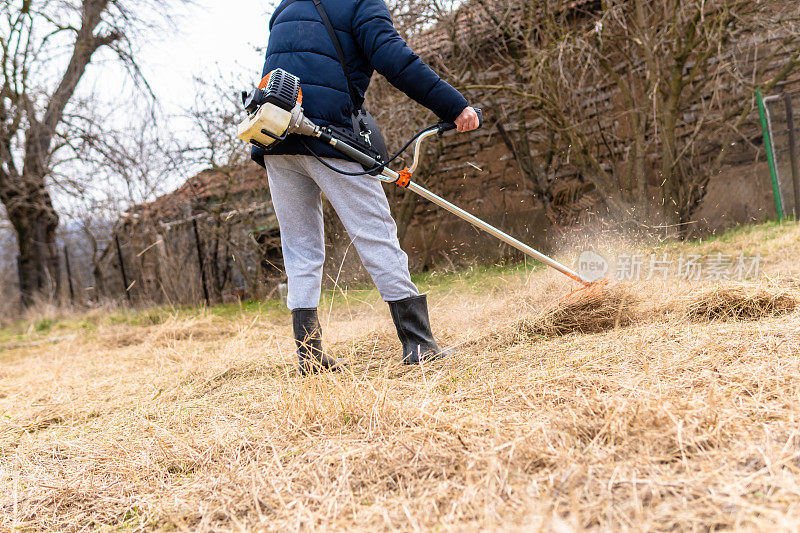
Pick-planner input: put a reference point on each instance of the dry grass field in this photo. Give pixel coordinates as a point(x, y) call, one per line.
point(661, 405)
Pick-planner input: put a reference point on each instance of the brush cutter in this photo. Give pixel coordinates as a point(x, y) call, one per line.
point(275, 111)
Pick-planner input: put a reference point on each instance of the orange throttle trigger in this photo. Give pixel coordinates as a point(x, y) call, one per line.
point(404, 178)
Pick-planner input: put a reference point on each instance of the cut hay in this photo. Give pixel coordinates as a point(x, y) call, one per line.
point(612, 308)
point(740, 301)
point(196, 423)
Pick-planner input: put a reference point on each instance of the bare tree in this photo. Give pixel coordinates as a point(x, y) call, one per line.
point(672, 64)
point(46, 47)
point(680, 61)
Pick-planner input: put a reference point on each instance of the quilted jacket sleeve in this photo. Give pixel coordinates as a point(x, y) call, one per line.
point(390, 56)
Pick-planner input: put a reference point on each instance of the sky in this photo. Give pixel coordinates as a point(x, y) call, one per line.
point(212, 36)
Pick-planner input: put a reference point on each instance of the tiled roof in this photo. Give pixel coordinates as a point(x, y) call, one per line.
point(207, 185)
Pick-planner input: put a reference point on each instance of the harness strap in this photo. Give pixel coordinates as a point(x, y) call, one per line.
point(339, 51)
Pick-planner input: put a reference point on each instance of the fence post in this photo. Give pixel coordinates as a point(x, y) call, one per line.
point(23, 300)
point(122, 269)
point(69, 275)
point(793, 154)
point(201, 262)
point(773, 171)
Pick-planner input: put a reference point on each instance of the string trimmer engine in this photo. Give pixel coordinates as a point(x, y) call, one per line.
point(273, 110)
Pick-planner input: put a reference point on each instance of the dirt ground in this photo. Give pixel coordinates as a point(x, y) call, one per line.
point(660, 405)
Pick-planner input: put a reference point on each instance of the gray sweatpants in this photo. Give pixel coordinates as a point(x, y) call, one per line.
point(295, 184)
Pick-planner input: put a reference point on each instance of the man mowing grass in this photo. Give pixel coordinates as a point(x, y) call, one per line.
point(300, 43)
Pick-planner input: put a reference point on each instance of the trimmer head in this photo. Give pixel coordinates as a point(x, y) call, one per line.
point(590, 290)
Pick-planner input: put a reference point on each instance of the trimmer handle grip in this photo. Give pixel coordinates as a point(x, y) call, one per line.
point(447, 126)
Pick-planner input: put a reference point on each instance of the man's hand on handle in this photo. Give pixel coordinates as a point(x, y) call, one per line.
point(467, 120)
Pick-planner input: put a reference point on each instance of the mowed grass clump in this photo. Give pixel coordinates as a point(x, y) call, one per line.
point(740, 301)
point(583, 312)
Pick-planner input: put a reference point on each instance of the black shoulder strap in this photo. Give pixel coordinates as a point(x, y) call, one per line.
point(338, 45)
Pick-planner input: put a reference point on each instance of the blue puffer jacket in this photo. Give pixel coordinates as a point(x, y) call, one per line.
point(300, 44)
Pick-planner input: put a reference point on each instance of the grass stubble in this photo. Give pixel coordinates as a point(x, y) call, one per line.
point(655, 406)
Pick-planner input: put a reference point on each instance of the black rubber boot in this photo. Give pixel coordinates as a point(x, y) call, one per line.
point(414, 329)
point(308, 337)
